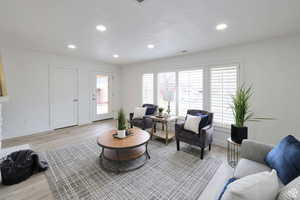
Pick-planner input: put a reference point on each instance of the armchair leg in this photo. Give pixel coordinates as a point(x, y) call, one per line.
point(209, 147)
point(202, 153)
point(178, 145)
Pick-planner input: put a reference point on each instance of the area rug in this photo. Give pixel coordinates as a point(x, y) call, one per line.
point(75, 173)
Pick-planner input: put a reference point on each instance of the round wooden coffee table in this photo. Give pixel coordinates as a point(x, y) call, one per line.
point(120, 154)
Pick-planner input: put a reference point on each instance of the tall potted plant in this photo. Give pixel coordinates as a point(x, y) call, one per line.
point(121, 124)
point(242, 114)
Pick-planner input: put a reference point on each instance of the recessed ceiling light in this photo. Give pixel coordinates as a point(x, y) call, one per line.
point(221, 27)
point(116, 56)
point(101, 28)
point(72, 46)
point(150, 46)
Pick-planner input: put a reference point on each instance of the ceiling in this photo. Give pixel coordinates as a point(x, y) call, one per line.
point(172, 25)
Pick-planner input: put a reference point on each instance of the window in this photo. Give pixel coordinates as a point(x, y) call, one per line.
point(190, 91)
point(223, 84)
point(102, 94)
point(166, 91)
point(207, 88)
point(148, 88)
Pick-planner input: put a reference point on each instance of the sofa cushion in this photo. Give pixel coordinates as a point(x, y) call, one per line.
point(216, 184)
point(260, 186)
point(285, 159)
point(291, 191)
point(247, 167)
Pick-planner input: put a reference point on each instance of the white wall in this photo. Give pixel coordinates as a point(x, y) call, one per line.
point(27, 75)
point(272, 67)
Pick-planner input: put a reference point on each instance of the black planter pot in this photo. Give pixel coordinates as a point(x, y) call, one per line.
point(238, 134)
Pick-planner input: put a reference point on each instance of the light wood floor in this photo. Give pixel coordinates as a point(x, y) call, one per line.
point(37, 186)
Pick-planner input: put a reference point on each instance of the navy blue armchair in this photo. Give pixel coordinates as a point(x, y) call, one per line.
point(203, 138)
point(145, 122)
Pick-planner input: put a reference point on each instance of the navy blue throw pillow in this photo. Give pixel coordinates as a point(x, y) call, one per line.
point(225, 187)
point(204, 120)
point(150, 110)
point(285, 159)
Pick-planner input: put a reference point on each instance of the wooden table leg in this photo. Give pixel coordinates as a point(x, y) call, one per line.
point(167, 134)
point(152, 130)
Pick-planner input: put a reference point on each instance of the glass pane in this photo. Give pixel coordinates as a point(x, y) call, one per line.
point(148, 88)
point(102, 94)
point(166, 89)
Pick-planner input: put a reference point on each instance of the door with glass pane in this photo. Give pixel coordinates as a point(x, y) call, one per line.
point(101, 96)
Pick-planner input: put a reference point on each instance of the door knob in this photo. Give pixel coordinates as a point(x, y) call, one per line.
point(75, 100)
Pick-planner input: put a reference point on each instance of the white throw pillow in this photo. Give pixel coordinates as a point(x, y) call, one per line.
point(139, 112)
point(260, 186)
point(192, 123)
point(291, 191)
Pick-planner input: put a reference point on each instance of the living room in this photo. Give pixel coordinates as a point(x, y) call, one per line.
point(73, 87)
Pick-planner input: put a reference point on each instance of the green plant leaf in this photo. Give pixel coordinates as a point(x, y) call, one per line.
point(241, 106)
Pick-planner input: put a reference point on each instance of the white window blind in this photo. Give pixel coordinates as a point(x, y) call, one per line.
point(223, 84)
point(166, 91)
point(148, 88)
point(190, 90)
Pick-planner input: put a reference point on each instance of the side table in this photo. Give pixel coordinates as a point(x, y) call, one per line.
point(233, 152)
point(164, 133)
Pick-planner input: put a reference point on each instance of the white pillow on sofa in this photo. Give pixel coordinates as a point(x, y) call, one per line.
point(139, 112)
point(260, 186)
point(291, 191)
point(192, 123)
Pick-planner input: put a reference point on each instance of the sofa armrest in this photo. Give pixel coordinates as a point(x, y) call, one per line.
point(206, 130)
point(256, 151)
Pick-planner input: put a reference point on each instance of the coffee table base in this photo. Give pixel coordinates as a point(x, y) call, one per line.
point(124, 160)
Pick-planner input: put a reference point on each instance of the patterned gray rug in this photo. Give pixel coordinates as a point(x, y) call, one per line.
point(75, 173)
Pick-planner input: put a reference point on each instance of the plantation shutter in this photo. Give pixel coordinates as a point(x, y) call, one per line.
point(148, 88)
point(190, 88)
point(166, 90)
point(223, 84)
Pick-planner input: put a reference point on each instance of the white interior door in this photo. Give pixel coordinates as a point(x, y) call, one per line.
point(64, 97)
point(101, 96)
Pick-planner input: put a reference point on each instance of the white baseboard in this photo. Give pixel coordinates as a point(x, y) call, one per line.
point(220, 137)
point(6, 151)
point(28, 133)
point(85, 123)
point(220, 143)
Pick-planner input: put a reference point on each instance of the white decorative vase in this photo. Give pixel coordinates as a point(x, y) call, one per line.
point(121, 133)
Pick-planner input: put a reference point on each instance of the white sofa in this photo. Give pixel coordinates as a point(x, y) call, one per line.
point(251, 162)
